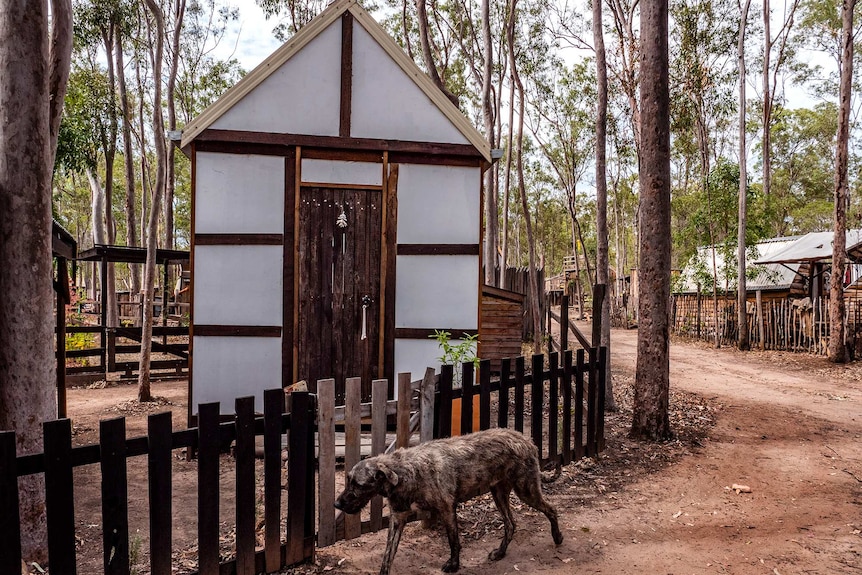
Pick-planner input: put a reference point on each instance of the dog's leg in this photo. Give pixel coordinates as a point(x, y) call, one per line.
point(396, 527)
point(529, 490)
point(501, 499)
point(450, 522)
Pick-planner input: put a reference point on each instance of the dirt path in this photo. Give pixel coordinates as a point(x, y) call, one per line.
point(788, 426)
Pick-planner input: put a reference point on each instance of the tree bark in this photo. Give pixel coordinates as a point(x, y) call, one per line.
point(837, 349)
point(128, 163)
point(492, 231)
point(743, 342)
point(602, 236)
point(766, 142)
point(652, 376)
point(144, 393)
point(34, 67)
point(179, 13)
point(507, 182)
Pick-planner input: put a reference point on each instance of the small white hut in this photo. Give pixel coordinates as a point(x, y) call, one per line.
point(336, 217)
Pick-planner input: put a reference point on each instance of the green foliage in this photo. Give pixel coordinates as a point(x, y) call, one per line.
point(457, 354)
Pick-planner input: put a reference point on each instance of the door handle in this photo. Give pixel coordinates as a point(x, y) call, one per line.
point(366, 301)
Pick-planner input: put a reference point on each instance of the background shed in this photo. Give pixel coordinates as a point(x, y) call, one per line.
point(336, 216)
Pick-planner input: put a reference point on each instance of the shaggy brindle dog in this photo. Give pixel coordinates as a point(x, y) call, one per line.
point(433, 477)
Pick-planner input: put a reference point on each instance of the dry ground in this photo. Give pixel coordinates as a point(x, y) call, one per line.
point(788, 426)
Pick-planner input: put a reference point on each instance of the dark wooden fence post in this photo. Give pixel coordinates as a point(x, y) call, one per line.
point(444, 405)
point(208, 489)
point(273, 408)
point(520, 380)
point(592, 401)
point(567, 406)
point(159, 463)
point(537, 397)
point(115, 496)
point(300, 491)
point(600, 411)
point(579, 404)
point(59, 496)
point(10, 518)
point(503, 398)
point(467, 372)
point(553, 406)
point(564, 322)
point(245, 485)
point(485, 394)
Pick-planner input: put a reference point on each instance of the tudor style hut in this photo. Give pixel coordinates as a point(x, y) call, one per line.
point(336, 216)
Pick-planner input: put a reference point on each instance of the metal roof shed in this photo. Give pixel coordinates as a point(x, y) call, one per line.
point(336, 217)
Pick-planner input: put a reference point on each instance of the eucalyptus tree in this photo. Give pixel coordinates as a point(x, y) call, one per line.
point(837, 349)
point(34, 66)
point(777, 54)
point(705, 34)
point(157, 23)
point(742, 341)
point(561, 120)
point(650, 418)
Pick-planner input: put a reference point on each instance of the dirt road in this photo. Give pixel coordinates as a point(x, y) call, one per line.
point(788, 426)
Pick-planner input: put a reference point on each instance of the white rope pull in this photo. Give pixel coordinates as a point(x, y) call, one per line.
point(364, 317)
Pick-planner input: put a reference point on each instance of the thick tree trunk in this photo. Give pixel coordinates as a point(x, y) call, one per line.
point(29, 121)
point(652, 376)
point(144, 393)
point(743, 342)
point(602, 236)
point(837, 349)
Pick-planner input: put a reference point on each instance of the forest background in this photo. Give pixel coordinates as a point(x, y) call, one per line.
point(542, 87)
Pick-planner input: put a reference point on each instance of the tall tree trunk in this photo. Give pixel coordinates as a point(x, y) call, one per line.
point(492, 231)
point(602, 236)
point(519, 166)
point(144, 393)
point(427, 56)
point(34, 69)
point(128, 164)
point(109, 146)
point(767, 103)
point(507, 182)
point(743, 342)
point(650, 419)
point(837, 349)
point(179, 13)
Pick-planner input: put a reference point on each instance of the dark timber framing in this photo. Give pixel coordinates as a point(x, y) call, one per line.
point(239, 239)
point(346, 74)
point(438, 249)
point(291, 199)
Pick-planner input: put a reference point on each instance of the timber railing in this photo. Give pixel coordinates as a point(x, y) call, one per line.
point(559, 403)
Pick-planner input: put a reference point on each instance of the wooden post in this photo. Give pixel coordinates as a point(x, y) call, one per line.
point(564, 322)
point(62, 300)
point(10, 518)
point(352, 438)
point(115, 496)
point(402, 437)
point(444, 405)
point(326, 461)
point(59, 496)
point(208, 489)
point(537, 397)
point(598, 302)
point(379, 391)
point(159, 461)
point(300, 491)
point(426, 406)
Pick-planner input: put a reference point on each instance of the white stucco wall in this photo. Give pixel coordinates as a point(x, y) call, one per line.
point(438, 204)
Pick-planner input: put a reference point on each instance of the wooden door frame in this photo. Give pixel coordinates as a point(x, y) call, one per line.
point(386, 317)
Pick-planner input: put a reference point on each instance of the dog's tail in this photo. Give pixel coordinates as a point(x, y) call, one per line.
point(551, 476)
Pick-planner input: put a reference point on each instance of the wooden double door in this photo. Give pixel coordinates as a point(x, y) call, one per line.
point(339, 286)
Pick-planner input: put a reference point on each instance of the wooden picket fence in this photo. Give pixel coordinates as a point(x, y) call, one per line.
point(560, 404)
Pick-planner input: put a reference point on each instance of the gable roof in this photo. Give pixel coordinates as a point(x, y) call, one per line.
point(302, 38)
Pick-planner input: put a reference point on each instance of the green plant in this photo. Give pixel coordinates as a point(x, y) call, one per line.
point(457, 353)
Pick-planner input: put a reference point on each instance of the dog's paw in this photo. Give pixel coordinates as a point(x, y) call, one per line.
point(558, 537)
point(496, 555)
point(451, 566)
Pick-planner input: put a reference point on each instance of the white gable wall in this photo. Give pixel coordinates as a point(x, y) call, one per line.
point(438, 204)
point(301, 97)
point(387, 104)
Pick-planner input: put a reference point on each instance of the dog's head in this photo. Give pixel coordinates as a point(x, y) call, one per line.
point(368, 478)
